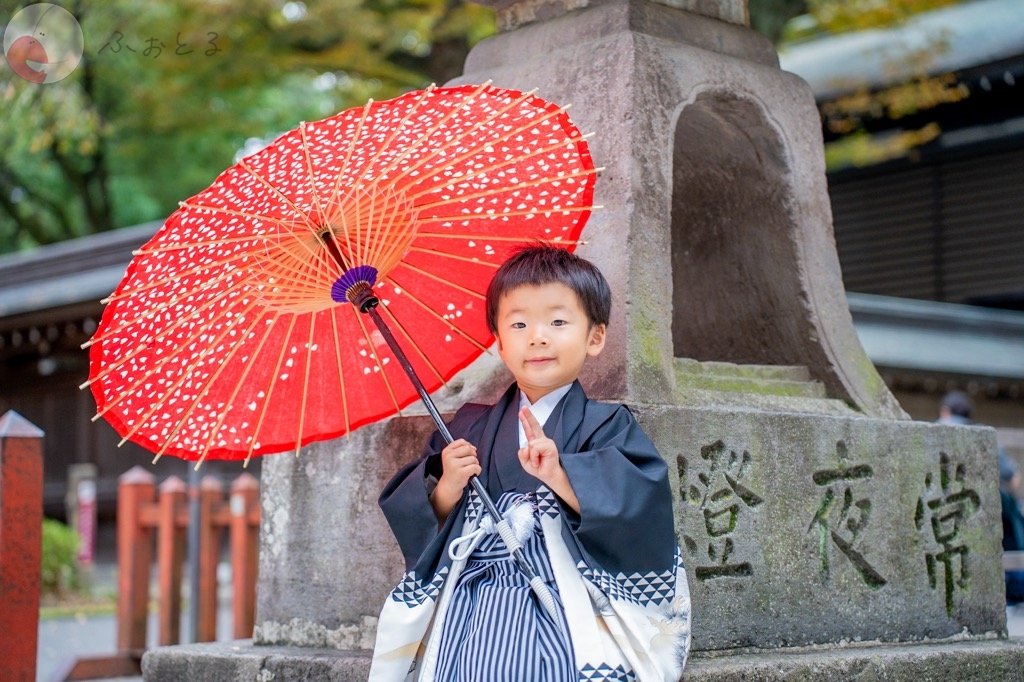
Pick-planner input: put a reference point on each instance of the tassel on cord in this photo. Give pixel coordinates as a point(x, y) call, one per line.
point(515, 527)
point(518, 522)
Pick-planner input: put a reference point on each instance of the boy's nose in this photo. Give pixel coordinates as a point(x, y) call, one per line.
point(538, 339)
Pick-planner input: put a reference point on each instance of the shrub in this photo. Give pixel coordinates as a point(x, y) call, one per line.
point(59, 564)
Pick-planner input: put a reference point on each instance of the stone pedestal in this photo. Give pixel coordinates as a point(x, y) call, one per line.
point(802, 529)
point(825, 535)
point(963, 661)
point(327, 556)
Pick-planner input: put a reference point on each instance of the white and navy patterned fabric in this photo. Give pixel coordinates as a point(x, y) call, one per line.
point(413, 592)
point(606, 673)
point(495, 629)
point(620, 632)
point(649, 588)
point(614, 568)
point(489, 626)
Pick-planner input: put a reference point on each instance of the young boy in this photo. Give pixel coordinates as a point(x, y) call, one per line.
point(583, 485)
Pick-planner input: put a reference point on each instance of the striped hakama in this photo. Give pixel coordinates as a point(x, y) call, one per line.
point(496, 629)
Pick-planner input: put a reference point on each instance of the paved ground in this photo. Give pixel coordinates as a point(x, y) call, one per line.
point(62, 640)
point(66, 638)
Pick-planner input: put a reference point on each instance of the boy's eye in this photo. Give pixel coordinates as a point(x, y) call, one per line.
point(559, 323)
point(519, 325)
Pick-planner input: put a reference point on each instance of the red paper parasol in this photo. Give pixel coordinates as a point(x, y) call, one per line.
point(224, 341)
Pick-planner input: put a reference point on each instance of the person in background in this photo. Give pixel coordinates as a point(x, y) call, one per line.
point(957, 408)
point(1013, 524)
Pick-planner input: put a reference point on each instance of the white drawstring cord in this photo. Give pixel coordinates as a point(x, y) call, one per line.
point(515, 528)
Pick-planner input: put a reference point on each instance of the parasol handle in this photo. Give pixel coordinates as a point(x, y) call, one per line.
point(367, 303)
point(362, 296)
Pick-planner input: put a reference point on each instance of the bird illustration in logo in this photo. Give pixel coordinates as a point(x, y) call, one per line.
point(43, 43)
point(27, 58)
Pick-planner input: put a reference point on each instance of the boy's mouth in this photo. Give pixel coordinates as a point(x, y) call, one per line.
point(538, 361)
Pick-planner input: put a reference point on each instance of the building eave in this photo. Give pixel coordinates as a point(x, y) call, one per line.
point(956, 38)
point(73, 272)
point(943, 338)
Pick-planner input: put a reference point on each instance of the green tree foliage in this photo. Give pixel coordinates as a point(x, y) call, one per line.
point(168, 93)
point(59, 558)
point(771, 17)
point(839, 16)
point(785, 21)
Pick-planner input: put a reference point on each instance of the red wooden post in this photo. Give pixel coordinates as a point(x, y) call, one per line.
point(21, 523)
point(135, 490)
point(211, 490)
point(244, 504)
point(170, 557)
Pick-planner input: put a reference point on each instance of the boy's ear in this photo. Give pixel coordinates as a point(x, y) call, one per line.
point(595, 344)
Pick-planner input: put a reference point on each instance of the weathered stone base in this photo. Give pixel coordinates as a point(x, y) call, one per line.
point(964, 661)
point(242, 661)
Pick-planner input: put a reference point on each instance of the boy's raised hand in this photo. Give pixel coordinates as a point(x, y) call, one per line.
point(540, 459)
point(539, 456)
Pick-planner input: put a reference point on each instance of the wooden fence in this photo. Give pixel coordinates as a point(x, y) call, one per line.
point(151, 519)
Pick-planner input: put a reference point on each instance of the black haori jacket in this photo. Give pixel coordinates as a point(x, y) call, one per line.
point(625, 524)
point(616, 563)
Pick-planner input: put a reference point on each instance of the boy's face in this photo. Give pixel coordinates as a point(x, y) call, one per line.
point(544, 336)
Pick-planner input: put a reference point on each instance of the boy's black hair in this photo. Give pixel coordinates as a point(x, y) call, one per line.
point(542, 264)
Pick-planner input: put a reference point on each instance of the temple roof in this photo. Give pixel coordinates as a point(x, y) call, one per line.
point(903, 334)
point(949, 338)
point(82, 270)
point(957, 38)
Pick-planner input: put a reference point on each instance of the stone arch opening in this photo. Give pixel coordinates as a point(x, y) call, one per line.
point(735, 292)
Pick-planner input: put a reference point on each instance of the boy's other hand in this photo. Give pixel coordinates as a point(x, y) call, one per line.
point(540, 459)
point(459, 463)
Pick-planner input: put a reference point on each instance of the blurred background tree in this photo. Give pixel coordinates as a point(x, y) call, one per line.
point(849, 119)
point(170, 92)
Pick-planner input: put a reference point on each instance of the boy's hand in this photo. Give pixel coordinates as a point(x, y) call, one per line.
point(540, 459)
point(540, 455)
point(459, 463)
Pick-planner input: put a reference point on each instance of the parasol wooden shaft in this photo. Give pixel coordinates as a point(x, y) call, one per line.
point(369, 306)
point(392, 342)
